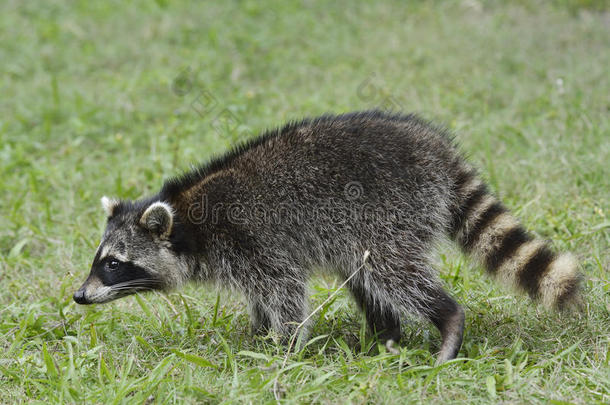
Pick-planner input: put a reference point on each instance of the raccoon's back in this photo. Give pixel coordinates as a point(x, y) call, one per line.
point(384, 154)
point(370, 145)
point(341, 179)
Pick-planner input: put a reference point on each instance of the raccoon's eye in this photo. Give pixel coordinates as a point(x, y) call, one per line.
point(113, 264)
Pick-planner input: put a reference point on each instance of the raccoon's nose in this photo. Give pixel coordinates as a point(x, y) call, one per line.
point(79, 297)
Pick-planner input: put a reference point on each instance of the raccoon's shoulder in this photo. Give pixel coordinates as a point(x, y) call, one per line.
point(177, 185)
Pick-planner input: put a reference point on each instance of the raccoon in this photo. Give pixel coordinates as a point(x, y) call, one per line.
point(317, 194)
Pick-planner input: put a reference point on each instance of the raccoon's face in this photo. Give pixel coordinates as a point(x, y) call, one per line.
point(135, 253)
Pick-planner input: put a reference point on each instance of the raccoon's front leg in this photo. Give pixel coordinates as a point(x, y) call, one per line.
point(278, 306)
point(259, 321)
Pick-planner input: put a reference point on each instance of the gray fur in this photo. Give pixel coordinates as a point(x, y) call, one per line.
point(318, 194)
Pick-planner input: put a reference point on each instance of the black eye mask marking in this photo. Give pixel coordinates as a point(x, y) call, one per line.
point(124, 273)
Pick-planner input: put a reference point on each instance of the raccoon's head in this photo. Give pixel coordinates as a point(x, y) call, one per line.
point(135, 253)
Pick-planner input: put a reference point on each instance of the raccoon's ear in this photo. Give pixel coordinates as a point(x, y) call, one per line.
point(109, 205)
point(158, 219)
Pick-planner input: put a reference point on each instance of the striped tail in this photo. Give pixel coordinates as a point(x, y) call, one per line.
point(484, 228)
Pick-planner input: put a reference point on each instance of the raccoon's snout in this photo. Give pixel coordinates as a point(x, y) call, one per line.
point(91, 292)
point(80, 298)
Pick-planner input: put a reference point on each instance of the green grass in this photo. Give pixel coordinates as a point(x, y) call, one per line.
point(112, 97)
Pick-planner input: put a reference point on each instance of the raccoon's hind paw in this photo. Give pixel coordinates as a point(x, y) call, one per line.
point(392, 347)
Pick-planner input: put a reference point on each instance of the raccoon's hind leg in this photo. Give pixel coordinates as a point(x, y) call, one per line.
point(382, 322)
point(428, 298)
point(448, 317)
point(414, 290)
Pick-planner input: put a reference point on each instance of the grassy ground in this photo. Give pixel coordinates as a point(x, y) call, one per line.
point(113, 97)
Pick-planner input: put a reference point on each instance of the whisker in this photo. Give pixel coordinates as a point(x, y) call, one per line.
point(135, 283)
point(136, 287)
